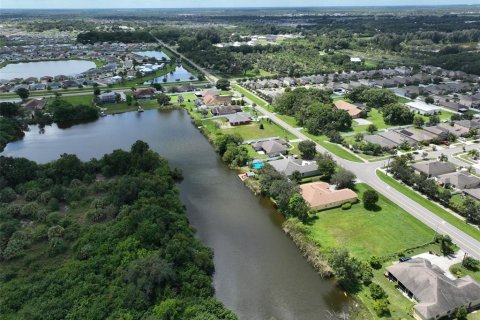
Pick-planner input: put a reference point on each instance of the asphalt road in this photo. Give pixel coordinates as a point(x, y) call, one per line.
point(366, 172)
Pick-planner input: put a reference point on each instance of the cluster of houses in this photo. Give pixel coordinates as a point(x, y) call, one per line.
point(447, 175)
point(257, 40)
point(221, 106)
point(393, 139)
point(117, 58)
point(453, 90)
point(319, 195)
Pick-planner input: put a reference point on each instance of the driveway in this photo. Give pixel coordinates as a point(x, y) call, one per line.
point(362, 122)
point(443, 262)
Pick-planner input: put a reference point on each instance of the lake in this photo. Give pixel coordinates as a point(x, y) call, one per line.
point(260, 274)
point(159, 55)
point(177, 75)
point(45, 68)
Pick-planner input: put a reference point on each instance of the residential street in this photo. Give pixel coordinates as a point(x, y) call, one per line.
point(366, 172)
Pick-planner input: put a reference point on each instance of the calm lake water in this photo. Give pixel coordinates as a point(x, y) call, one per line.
point(179, 74)
point(45, 68)
point(260, 274)
point(153, 54)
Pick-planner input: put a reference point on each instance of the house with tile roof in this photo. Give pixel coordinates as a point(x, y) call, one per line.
point(321, 195)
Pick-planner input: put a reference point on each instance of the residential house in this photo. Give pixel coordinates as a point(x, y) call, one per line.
point(437, 295)
point(146, 93)
point(397, 138)
point(352, 109)
point(454, 106)
point(272, 148)
point(459, 180)
point(434, 168)
point(216, 99)
point(418, 135)
point(288, 165)
point(381, 141)
point(223, 110)
point(457, 130)
point(35, 104)
point(108, 97)
point(320, 195)
point(469, 124)
point(423, 108)
point(239, 118)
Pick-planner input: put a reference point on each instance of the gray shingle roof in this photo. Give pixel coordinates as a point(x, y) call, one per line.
point(436, 294)
point(434, 168)
point(288, 165)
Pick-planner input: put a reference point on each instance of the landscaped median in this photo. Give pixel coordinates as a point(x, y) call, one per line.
point(430, 205)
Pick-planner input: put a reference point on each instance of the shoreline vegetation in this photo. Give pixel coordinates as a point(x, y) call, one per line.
point(106, 238)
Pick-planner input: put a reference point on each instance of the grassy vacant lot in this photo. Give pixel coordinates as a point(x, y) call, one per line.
point(83, 99)
point(384, 232)
point(253, 131)
point(288, 119)
point(432, 206)
point(375, 117)
point(334, 148)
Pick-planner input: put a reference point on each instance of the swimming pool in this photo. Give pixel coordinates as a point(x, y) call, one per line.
point(257, 165)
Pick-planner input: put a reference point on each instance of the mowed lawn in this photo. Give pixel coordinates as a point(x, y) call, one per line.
point(253, 131)
point(333, 148)
point(431, 205)
point(364, 233)
point(76, 100)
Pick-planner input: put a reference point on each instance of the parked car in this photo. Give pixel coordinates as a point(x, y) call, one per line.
point(403, 259)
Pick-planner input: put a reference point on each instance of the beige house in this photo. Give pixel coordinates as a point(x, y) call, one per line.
point(320, 195)
point(353, 110)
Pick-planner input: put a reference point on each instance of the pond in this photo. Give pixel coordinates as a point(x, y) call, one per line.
point(180, 74)
point(159, 55)
point(45, 68)
point(260, 274)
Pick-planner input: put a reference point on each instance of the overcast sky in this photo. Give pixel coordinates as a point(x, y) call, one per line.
point(48, 4)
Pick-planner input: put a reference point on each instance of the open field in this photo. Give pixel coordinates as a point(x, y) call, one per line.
point(253, 131)
point(432, 206)
point(83, 99)
point(384, 232)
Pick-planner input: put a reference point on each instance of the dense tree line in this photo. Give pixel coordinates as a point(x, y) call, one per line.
point(313, 109)
point(104, 239)
point(11, 128)
point(92, 37)
point(65, 113)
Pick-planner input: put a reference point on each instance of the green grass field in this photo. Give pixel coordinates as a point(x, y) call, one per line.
point(83, 99)
point(432, 206)
point(288, 119)
point(253, 131)
point(334, 148)
point(364, 233)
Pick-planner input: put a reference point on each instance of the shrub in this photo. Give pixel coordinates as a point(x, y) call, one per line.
point(53, 204)
point(377, 292)
point(375, 262)
point(32, 195)
point(346, 205)
point(381, 307)
point(461, 313)
point(456, 270)
point(471, 264)
point(29, 210)
point(7, 195)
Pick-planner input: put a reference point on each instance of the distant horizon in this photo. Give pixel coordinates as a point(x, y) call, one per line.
point(220, 4)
